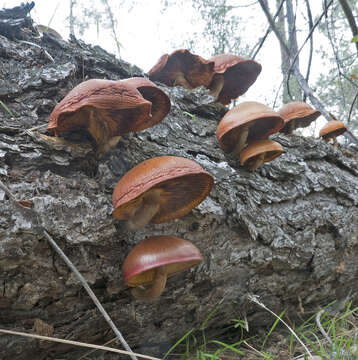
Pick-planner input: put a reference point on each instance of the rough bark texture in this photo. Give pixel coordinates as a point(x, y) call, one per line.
point(287, 232)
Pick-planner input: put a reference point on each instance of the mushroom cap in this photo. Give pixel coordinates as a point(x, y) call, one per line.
point(177, 254)
point(196, 70)
point(183, 182)
point(118, 104)
point(272, 150)
point(239, 74)
point(264, 121)
point(300, 111)
point(332, 129)
point(151, 92)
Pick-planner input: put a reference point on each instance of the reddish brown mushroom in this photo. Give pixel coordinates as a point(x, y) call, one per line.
point(160, 189)
point(104, 108)
point(233, 77)
point(259, 152)
point(151, 92)
point(153, 260)
point(182, 68)
point(331, 130)
point(245, 123)
point(297, 114)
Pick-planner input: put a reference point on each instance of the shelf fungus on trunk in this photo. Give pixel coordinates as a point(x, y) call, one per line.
point(153, 260)
point(233, 77)
point(259, 152)
point(246, 122)
point(331, 130)
point(160, 189)
point(106, 109)
point(297, 114)
point(182, 68)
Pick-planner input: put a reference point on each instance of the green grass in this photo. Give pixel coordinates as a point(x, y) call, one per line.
point(326, 335)
point(7, 109)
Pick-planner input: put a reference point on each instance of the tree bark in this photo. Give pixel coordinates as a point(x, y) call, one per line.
point(287, 232)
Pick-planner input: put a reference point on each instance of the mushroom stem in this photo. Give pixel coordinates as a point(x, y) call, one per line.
point(291, 126)
point(244, 132)
point(181, 81)
point(217, 85)
point(158, 285)
point(149, 208)
point(256, 162)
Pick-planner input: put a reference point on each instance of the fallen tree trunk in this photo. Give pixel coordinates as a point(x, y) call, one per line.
point(287, 232)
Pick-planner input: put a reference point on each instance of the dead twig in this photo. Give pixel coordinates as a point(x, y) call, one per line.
point(77, 343)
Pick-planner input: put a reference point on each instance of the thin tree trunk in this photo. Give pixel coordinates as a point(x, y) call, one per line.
point(71, 19)
point(113, 27)
point(350, 17)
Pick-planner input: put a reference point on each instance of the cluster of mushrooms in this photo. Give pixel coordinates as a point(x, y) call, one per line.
point(168, 187)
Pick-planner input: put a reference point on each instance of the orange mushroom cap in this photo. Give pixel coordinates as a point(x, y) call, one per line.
point(175, 253)
point(239, 74)
point(300, 112)
point(332, 129)
point(262, 120)
point(151, 92)
point(183, 185)
point(182, 63)
point(119, 106)
point(271, 150)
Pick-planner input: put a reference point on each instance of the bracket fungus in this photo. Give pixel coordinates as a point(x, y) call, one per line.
point(297, 114)
point(153, 260)
point(331, 130)
point(233, 77)
point(259, 152)
point(246, 122)
point(151, 92)
point(182, 68)
point(106, 109)
point(160, 189)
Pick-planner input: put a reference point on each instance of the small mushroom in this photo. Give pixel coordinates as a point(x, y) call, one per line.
point(245, 123)
point(182, 68)
point(106, 109)
point(153, 260)
point(151, 92)
point(297, 114)
point(331, 130)
point(259, 152)
point(233, 77)
point(160, 189)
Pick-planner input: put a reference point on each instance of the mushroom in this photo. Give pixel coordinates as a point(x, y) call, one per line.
point(151, 92)
point(245, 123)
point(297, 114)
point(182, 68)
point(160, 189)
point(153, 260)
point(106, 109)
point(259, 152)
point(233, 77)
point(331, 130)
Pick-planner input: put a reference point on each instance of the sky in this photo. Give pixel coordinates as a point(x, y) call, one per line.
point(146, 32)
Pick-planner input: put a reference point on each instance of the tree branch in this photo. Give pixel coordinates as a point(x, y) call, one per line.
point(349, 15)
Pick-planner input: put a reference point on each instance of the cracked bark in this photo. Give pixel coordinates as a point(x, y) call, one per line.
point(286, 232)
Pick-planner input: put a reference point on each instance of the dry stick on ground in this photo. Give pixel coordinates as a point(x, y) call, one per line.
point(76, 343)
point(33, 217)
point(255, 299)
point(301, 80)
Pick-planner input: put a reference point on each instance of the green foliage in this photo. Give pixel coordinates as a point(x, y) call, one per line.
point(355, 38)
